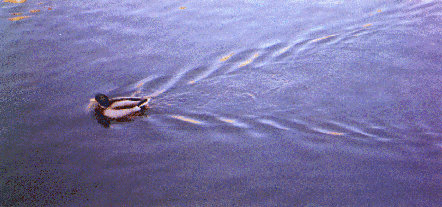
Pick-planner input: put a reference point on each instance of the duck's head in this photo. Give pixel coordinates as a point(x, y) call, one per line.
point(103, 100)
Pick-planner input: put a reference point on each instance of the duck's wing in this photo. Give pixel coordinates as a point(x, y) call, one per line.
point(124, 103)
point(120, 113)
point(126, 99)
point(144, 102)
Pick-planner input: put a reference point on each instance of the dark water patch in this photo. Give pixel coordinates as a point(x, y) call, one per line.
point(40, 178)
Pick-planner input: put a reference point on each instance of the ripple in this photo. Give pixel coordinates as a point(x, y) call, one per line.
point(234, 122)
point(249, 60)
point(186, 119)
point(325, 39)
point(224, 81)
point(272, 123)
point(224, 58)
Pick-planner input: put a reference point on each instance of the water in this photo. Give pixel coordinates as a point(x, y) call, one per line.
point(254, 103)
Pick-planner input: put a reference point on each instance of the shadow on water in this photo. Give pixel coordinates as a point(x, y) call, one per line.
point(330, 103)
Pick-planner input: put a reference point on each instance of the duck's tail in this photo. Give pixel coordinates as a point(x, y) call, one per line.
point(143, 103)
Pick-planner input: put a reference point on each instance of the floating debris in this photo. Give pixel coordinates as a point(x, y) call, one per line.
point(18, 18)
point(35, 11)
point(182, 7)
point(367, 25)
point(16, 14)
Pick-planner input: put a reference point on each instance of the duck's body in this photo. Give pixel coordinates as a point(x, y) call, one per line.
point(120, 108)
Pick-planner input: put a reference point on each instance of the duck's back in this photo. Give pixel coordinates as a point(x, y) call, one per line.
point(124, 104)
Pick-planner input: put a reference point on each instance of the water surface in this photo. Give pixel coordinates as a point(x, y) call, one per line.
point(254, 103)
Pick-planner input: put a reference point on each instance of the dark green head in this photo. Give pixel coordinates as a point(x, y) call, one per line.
point(103, 100)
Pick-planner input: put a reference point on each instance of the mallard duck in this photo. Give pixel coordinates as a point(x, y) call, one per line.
point(122, 108)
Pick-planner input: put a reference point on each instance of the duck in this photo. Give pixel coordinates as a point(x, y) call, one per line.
point(121, 108)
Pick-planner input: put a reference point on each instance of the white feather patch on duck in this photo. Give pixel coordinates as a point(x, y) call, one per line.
point(119, 113)
point(123, 104)
point(117, 108)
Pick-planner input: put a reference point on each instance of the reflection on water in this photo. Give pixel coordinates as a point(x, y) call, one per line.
point(15, 1)
point(253, 103)
point(21, 12)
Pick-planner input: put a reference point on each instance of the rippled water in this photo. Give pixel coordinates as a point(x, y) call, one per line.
point(254, 103)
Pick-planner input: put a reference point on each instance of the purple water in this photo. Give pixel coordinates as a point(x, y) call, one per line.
point(254, 103)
